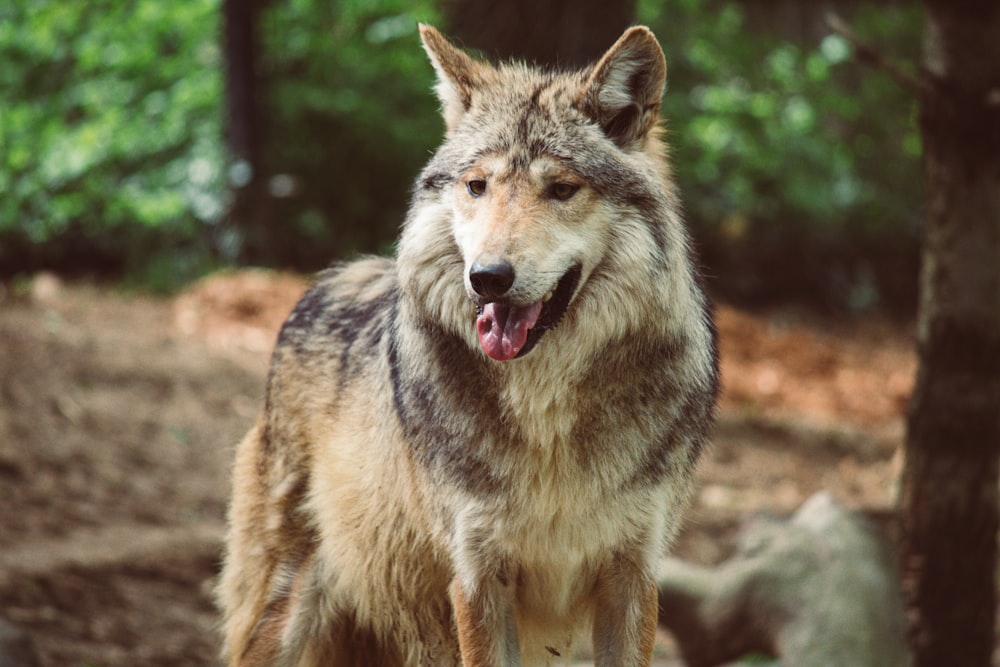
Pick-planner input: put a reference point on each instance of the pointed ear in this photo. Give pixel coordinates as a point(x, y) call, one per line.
point(622, 91)
point(458, 74)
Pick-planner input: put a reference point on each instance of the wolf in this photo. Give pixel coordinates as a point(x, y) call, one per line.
point(476, 453)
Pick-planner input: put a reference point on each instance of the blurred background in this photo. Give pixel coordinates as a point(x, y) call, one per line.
point(154, 142)
point(147, 147)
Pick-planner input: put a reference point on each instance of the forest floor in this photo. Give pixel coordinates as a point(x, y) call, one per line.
point(119, 413)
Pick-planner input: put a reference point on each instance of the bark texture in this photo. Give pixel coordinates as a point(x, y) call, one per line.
point(950, 501)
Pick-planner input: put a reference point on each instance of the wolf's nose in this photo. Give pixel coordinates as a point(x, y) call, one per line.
point(491, 280)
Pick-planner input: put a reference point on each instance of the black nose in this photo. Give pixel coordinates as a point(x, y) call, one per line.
point(491, 280)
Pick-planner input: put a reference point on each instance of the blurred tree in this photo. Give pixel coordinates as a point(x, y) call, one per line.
point(949, 501)
point(249, 211)
point(351, 119)
point(548, 32)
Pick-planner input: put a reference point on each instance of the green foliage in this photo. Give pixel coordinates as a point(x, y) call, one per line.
point(799, 166)
point(110, 131)
point(351, 116)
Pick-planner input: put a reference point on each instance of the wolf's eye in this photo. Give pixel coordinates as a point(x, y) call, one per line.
point(563, 191)
point(476, 188)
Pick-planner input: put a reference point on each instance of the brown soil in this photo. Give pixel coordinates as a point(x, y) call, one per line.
point(119, 412)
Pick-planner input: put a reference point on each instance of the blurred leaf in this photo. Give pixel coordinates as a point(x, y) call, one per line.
point(352, 119)
point(789, 155)
point(94, 118)
point(815, 156)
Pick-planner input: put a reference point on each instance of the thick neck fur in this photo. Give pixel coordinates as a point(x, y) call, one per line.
point(633, 302)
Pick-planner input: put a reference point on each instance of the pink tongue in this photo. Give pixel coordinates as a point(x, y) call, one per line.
point(503, 329)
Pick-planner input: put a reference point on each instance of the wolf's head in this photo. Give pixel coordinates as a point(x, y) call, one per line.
point(544, 177)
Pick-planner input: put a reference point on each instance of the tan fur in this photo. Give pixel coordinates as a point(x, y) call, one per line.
point(406, 500)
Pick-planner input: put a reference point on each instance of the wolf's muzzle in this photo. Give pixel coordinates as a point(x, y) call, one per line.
point(491, 281)
point(507, 330)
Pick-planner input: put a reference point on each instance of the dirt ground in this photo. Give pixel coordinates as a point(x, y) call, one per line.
point(119, 412)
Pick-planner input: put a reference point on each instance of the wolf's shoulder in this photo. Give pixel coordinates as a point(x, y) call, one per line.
point(344, 302)
point(361, 280)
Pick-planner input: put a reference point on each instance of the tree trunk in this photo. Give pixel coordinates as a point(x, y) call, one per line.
point(249, 213)
point(950, 501)
point(547, 32)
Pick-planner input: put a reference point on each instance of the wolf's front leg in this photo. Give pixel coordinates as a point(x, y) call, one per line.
point(487, 630)
point(625, 615)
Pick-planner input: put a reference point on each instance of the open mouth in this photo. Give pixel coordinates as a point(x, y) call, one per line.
point(508, 331)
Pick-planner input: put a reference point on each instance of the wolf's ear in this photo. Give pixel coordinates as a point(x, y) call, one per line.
point(458, 74)
point(622, 90)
